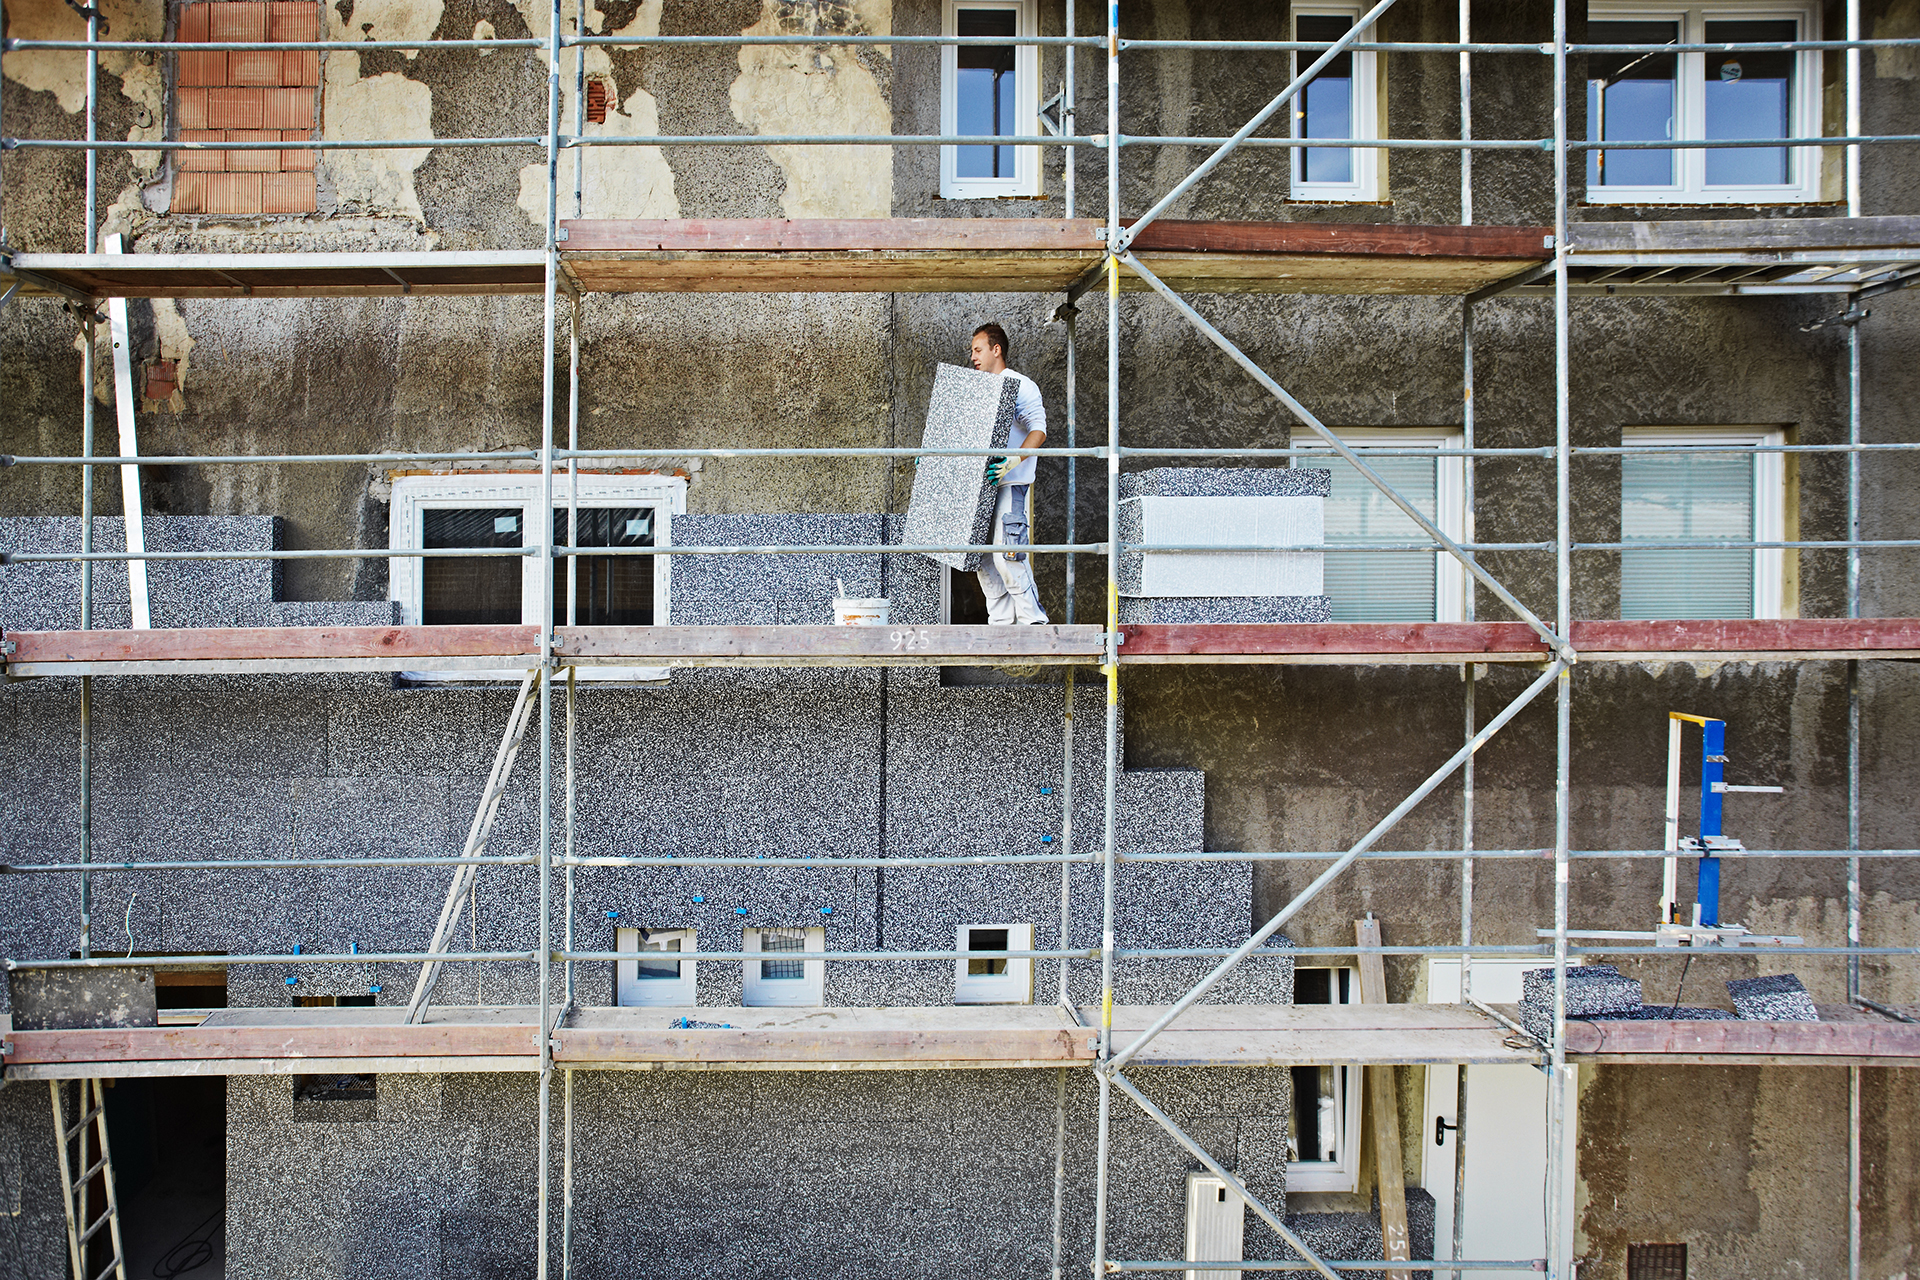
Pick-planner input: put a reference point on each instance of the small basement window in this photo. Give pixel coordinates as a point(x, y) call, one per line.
point(788, 979)
point(1656, 1262)
point(1323, 1138)
point(652, 979)
point(335, 1097)
point(993, 979)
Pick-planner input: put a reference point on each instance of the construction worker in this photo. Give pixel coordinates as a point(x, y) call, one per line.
point(1006, 577)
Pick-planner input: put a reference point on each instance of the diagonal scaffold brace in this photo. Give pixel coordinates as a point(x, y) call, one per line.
point(1554, 641)
point(461, 890)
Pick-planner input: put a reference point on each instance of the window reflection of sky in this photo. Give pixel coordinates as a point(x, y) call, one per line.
point(1326, 104)
point(984, 93)
point(1748, 95)
point(1637, 106)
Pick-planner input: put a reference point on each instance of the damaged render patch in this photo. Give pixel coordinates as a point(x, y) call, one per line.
point(821, 89)
point(616, 182)
point(64, 74)
point(383, 106)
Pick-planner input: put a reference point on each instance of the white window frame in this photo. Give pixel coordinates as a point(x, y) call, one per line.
point(1450, 499)
point(1015, 986)
point(630, 989)
point(1026, 105)
point(1342, 1174)
point(1366, 115)
point(413, 496)
point(1690, 166)
point(808, 989)
point(1769, 498)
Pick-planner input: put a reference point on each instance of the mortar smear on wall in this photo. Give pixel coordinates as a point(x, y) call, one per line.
point(822, 89)
point(616, 182)
point(64, 74)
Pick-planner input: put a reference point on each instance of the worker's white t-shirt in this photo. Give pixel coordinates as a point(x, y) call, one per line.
point(1028, 415)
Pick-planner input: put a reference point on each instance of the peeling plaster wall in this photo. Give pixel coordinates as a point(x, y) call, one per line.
point(823, 89)
point(616, 182)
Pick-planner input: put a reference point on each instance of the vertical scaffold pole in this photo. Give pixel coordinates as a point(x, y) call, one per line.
point(1466, 123)
point(1112, 667)
point(544, 540)
point(1855, 124)
point(92, 241)
point(1558, 1262)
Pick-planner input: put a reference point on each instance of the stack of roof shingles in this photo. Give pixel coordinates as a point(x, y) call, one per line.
point(257, 95)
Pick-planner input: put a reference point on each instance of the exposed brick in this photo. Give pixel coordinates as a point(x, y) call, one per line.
point(292, 20)
point(238, 108)
point(296, 161)
point(288, 109)
point(254, 67)
point(203, 69)
point(190, 109)
point(233, 192)
point(202, 161)
point(238, 20)
point(189, 192)
point(287, 193)
point(254, 161)
point(159, 379)
point(193, 22)
point(300, 66)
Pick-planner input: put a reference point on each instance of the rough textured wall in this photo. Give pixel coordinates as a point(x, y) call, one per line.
point(712, 1174)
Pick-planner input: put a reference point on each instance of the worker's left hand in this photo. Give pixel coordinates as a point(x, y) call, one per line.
point(998, 469)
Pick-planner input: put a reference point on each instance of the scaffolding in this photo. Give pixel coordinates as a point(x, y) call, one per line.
point(1853, 259)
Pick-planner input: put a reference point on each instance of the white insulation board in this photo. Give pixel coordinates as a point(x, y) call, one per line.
point(1224, 522)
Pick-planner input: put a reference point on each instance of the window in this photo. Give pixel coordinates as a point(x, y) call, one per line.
point(1216, 1226)
point(1341, 102)
point(1394, 586)
point(1647, 97)
point(788, 980)
point(649, 980)
point(994, 980)
point(257, 95)
point(1323, 1141)
point(494, 510)
point(1715, 488)
point(1656, 1262)
point(989, 91)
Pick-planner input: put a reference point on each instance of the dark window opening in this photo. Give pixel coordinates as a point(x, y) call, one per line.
point(334, 1002)
point(610, 591)
point(169, 1140)
point(987, 940)
point(335, 1097)
point(1656, 1262)
point(190, 988)
point(1322, 986)
point(966, 603)
point(470, 590)
point(984, 93)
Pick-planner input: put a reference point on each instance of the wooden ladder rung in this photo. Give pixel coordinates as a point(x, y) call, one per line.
point(85, 1120)
point(112, 1268)
point(103, 1220)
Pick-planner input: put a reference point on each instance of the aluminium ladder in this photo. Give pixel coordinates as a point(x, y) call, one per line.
point(95, 1163)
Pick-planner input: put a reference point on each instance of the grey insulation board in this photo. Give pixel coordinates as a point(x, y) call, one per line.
point(951, 502)
point(1777, 997)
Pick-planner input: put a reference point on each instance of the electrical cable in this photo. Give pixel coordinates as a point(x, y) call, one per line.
point(1682, 985)
point(193, 1250)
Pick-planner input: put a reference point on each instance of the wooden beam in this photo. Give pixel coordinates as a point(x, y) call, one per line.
point(1508, 639)
point(1897, 1043)
point(163, 1044)
point(592, 1045)
point(1744, 234)
point(1383, 1103)
point(1742, 635)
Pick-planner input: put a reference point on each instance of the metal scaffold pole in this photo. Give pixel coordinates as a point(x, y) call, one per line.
point(543, 538)
point(1559, 1263)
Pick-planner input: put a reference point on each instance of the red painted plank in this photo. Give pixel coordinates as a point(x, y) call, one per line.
point(1747, 635)
point(1387, 239)
point(149, 1044)
point(271, 642)
point(1783, 1039)
point(1330, 637)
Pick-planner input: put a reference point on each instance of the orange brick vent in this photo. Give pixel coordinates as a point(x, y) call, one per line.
point(256, 95)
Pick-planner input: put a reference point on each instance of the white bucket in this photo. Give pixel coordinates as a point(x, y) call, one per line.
point(859, 613)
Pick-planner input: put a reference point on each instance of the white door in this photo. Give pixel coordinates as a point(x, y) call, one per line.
point(1506, 1139)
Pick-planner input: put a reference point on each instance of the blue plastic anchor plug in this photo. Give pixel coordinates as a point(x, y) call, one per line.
point(376, 988)
point(826, 911)
point(1046, 839)
point(1046, 791)
point(613, 915)
point(291, 981)
point(740, 911)
point(698, 898)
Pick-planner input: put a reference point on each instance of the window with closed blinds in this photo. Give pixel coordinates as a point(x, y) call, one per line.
point(1381, 586)
point(1703, 496)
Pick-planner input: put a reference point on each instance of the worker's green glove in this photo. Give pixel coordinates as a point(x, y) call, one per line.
point(997, 471)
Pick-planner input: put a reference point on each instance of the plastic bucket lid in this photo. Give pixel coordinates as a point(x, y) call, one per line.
point(856, 612)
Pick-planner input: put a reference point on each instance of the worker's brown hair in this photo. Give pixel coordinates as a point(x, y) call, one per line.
point(997, 337)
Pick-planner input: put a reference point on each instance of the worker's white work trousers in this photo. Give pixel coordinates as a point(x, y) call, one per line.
point(1008, 584)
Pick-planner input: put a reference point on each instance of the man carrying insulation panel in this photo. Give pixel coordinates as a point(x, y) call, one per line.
point(1006, 577)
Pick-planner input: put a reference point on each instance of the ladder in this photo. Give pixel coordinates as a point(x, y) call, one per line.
point(83, 1147)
